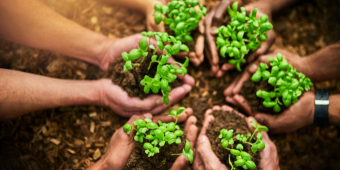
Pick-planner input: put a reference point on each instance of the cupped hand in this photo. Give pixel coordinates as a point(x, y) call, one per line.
point(233, 90)
point(293, 118)
point(122, 145)
point(206, 159)
point(113, 48)
point(214, 20)
point(118, 100)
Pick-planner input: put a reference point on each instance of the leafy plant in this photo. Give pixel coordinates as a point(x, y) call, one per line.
point(243, 34)
point(165, 73)
point(155, 136)
point(181, 16)
point(243, 159)
point(288, 83)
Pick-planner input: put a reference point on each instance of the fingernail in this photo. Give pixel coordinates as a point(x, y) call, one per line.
point(159, 101)
point(254, 66)
point(201, 139)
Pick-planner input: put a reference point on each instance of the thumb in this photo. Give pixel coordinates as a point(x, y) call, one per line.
point(268, 120)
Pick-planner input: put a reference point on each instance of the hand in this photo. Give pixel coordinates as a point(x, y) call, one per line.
point(235, 87)
point(206, 159)
point(118, 100)
point(150, 18)
point(113, 48)
point(121, 144)
point(295, 117)
point(214, 20)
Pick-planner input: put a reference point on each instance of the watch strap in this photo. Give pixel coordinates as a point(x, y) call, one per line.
point(321, 107)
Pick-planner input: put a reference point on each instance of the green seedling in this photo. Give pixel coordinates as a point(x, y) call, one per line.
point(244, 33)
point(155, 135)
point(181, 16)
point(243, 159)
point(166, 71)
point(288, 83)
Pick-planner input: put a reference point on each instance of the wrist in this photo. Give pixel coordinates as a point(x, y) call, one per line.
point(306, 67)
point(333, 110)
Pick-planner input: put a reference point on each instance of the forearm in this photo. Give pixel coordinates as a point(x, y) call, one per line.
point(334, 110)
point(21, 93)
point(271, 6)
point(324, 64)
point(138, 5)
point(32, 23)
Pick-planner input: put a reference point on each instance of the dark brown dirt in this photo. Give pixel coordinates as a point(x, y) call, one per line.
point(229, 120)
point(130, 80)
point(140, 161)
point(249, 90)
point(194, 34)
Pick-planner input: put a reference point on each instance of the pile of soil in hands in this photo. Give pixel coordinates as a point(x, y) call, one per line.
point(194, 34)
point(249, 90)
point(229, 120)
point(130, 80)
point(162, 160)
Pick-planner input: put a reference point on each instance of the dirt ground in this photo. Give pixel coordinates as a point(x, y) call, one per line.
point(75, 137)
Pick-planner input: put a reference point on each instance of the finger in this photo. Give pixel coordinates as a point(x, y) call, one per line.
point(191, 55)
point(244, 77)
point(208, 112)
point(219, 15)
point(214, 68)
point(199, 46)
point(174, 96)
point(206, 123)
point(207, 156)
point(273, 122)
point(228, 66)
point(243, 104)
point(220, 73)
point(232, 101)
point(192, 120)
point(180, 163)
point(187, 79)
point(226, 108)
point(166, 119)
point(229, 90)
point(201, 27)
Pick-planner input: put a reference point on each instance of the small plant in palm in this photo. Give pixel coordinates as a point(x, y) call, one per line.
point(244, 33)
point(243, 159)
point(181, 16)
point(288, 83)
point(155, 136)
point(166, 71)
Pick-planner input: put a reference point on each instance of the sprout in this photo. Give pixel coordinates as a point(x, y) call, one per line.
point(242, 34)
point(287, 82)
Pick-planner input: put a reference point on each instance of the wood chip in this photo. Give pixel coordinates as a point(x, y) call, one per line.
point(78, 142)
point(94, 20)
point(106, 123)
point(97, 154)
point(205, 93)
point(43, 130)
point(93, 114)
point(70, 151)
point(55, 141)
point(92, 127)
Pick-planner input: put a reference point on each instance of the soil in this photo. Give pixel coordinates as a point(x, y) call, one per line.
point(130, 80)
point(194, 34)
point(140, 161)
point(229, 120)
point(249, 90)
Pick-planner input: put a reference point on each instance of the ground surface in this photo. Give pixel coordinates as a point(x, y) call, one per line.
point(74, 137)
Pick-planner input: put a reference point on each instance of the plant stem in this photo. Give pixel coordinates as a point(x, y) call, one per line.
point(249, 143)
point(251, 137)
point(232, 167)
point(177, 154)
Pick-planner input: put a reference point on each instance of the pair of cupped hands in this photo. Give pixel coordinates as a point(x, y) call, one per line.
point(121, 145)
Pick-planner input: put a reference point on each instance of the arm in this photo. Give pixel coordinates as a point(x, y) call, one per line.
point(334, 110)
point(324, 64)
point(21, 93)
point(138, 5)
point(270, 6)
point(31, 23)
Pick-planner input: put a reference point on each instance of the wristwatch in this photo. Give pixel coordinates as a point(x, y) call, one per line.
point(321, 107)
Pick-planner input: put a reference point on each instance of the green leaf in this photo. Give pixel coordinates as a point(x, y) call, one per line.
point(156, 149)
point(265, 75)
point(125, 56)
point(188, 38)
point(161, 143)
point(158, 7)
point(180, 110)
point(231, 12)
point(151, 125)
point(187, 146)
point(127, 127)
point(164, 84)
point(263, 128)
point(143, 44)
point(184, 47)
point(260, 145)
point(178, 132)
point(164, 9)
point(240, 162)
point(180, 26)
point(171, 126)
point(250, 164)
point(239, 146)
point(277, 108)
point(235, 152)
point(147, 146)
point(178, 141)
point(169, 136)
point(225, 143)
point(158, 17)
point(134, 54)
point(128, 65)
point(254, 124)
point(256, 76)
point(235, 5)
